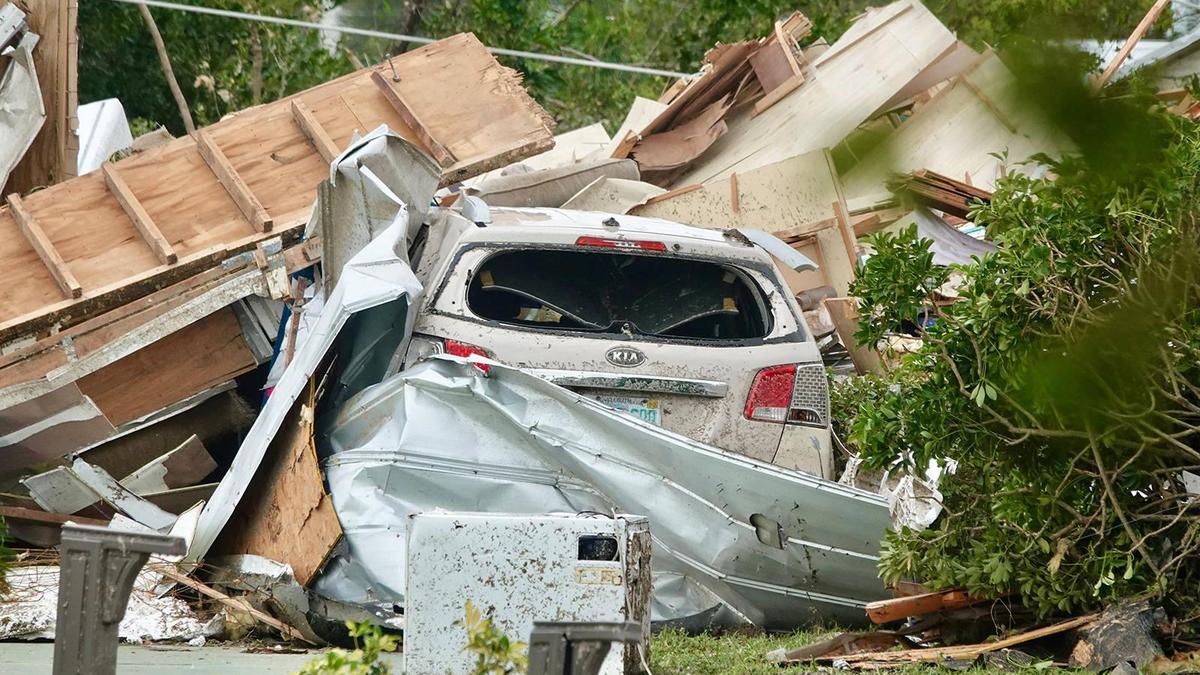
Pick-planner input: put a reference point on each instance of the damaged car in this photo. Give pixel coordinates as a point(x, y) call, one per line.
point(689, 329)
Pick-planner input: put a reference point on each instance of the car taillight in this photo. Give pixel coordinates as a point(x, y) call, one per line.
point(632, 244)
point(792, 393)
point(456, 348)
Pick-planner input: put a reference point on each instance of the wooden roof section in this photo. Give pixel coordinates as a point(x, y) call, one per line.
point(100, 240)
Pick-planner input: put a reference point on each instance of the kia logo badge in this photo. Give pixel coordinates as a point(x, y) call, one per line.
point(625, 357)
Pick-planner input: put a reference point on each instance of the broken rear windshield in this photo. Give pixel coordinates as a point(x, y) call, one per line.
point(619, 293)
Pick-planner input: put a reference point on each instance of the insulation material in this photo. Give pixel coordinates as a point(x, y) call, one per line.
point(31, 605)
point(735, 540)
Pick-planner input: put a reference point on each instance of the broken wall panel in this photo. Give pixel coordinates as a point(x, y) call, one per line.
point(270, 152)
point(955, 135)
point(876, 58)
point(772, 198)
point(48, 427)
point(188, 361)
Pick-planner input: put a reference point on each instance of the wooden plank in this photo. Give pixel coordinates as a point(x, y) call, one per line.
point(956, 652)
point(44, 248)
point(312, 128)
point(239, 604)
point(1138, 32)
point(286, 514)
point(440, 153)
point(874, 59)
point(897, 609)
point(38, 527)
point(841, 214)
point(137, 214)
point(52, 156)
point(188, 361)
point(844, 312)
point(228, 176)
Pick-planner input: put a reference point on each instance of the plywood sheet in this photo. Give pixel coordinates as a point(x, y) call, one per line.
point(781, 196)
point(186, 362)
point(286, 514)
point(877, 57)
point(469, 102)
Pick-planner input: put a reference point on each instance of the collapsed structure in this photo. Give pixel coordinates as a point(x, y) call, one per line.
point(215, 336)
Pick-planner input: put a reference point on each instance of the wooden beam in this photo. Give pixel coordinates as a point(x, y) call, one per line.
point(886, 611)
point(1134, 38)
point(141, 220)
point(216, 160)
point(44, 248)
point(846, 228)
point(238, 603)
point(442, 154)
point(311, 126)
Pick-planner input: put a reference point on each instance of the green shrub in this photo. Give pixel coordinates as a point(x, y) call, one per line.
point(363, 660)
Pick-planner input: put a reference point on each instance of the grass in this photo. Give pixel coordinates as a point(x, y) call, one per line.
point(675, 653)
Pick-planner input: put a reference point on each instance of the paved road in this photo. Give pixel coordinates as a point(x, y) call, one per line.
point(35, 658)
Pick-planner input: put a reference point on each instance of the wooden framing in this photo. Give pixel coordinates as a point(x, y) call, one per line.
point(278, 157)
point(228, 176)
point(44, 248)
point(137, 213)
point(442, 154)
point(311, 126)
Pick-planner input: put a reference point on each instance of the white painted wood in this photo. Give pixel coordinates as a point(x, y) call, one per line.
point(954, 136)
point(842, 92)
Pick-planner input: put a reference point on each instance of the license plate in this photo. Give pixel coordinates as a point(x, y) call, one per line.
point(645, 409)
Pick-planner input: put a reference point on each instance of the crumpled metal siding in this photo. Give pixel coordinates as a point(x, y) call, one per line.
point(442, 435)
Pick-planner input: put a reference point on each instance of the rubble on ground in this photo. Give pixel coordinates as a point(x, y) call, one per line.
point(227, 349)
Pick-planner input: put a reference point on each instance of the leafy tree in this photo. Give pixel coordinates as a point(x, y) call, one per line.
point(1065, 383)
point(214, 57)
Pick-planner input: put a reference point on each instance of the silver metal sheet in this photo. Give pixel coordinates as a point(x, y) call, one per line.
point(443, 435)
point(374, 276)
point(21, 110)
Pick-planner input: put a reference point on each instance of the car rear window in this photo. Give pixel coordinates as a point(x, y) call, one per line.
point(604, 292)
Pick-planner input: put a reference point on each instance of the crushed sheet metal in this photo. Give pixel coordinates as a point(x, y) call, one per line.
point(442, 435)
point(375, 275)
point(21, 110)
point(368, 182)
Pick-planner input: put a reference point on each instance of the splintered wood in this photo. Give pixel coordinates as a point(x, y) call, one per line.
point(98, 241)
point(286, 514)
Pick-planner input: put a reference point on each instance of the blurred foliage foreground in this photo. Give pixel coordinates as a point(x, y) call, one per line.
point(1065, 382)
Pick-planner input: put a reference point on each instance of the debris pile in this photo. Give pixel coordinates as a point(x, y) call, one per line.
point(293, 335)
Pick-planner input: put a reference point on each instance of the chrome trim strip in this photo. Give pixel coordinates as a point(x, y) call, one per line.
point(646, 383)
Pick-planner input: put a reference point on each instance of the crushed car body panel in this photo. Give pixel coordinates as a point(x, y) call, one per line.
point(779, 548)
